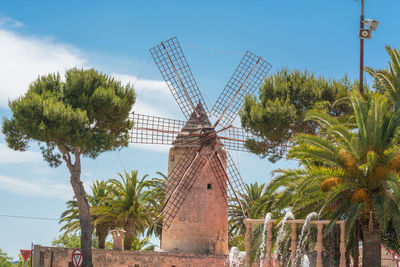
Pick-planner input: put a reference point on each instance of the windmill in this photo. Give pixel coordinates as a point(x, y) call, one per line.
point(199, 150)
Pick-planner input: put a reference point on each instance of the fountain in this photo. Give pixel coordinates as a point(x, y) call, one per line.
point(302, 239)
point(279, 238)
point(264, 240)
point(295, 247)
point(235, 257)
point(305, 262)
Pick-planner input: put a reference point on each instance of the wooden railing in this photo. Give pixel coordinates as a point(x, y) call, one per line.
point(293, 245)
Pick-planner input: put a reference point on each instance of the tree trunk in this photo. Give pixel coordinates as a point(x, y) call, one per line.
point(371, 246)
point(130, 233)
point(84, 219)
point(83, 207)
point(101, 233)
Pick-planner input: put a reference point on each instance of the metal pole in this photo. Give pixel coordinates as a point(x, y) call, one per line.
point(362, 50)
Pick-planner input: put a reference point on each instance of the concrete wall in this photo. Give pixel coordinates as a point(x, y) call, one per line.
point(201, 224)
point(60, 257)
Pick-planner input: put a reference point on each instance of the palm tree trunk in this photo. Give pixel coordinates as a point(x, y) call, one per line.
point(371, 246)
point(130, 233)
point(101, 233)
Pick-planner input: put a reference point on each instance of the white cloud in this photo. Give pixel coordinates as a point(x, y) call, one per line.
point(143, 84)
point(35, 188)
point(8, 155)
point(155, 148)
point(9, 22)
point(23, 59)
point(153, 97)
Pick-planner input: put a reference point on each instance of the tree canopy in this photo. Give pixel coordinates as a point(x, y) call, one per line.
point(88, 111)
point(284, 98)
point(5, 260)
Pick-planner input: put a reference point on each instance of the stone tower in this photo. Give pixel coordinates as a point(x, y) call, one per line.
point(201, 224)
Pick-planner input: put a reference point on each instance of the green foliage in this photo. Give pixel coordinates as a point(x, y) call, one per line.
point(141, 244)
point(71, 240)
point(155, 196)
point(112, 205)
point(88, 111)
point(279, 111)
point(67, 241)
point(256, 203)
point(5, 260)
point(21, 262)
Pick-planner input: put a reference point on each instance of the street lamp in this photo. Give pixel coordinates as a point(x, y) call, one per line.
point(364, 33)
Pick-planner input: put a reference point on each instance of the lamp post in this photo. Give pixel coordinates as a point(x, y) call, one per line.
point(362, 50)
point(363, 34)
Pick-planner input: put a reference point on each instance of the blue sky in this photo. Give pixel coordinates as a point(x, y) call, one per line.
point(38, 37)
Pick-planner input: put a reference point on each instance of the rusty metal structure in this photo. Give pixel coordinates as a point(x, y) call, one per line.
point(205, 143)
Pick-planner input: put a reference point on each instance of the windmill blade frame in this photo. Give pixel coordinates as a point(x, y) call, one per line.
point(149, 129)
point(247, 77)
point(154, 130)
point(176, 72)
point(228, 177)
point(234, 138)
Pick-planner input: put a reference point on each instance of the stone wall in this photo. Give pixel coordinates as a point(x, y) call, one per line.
point(61, 257)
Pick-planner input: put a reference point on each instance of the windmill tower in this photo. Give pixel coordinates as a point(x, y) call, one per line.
point(202, 177)
point(200, 225)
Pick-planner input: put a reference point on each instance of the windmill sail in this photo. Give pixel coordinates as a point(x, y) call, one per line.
point(176, 72)
point(247, 77)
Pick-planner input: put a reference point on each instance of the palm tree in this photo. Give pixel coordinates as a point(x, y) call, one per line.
point(127, 206)
point(155, 196)
point(141, 244)
point(256, 204)
point(100, 190)
point(349, 172)
point(70, 217)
